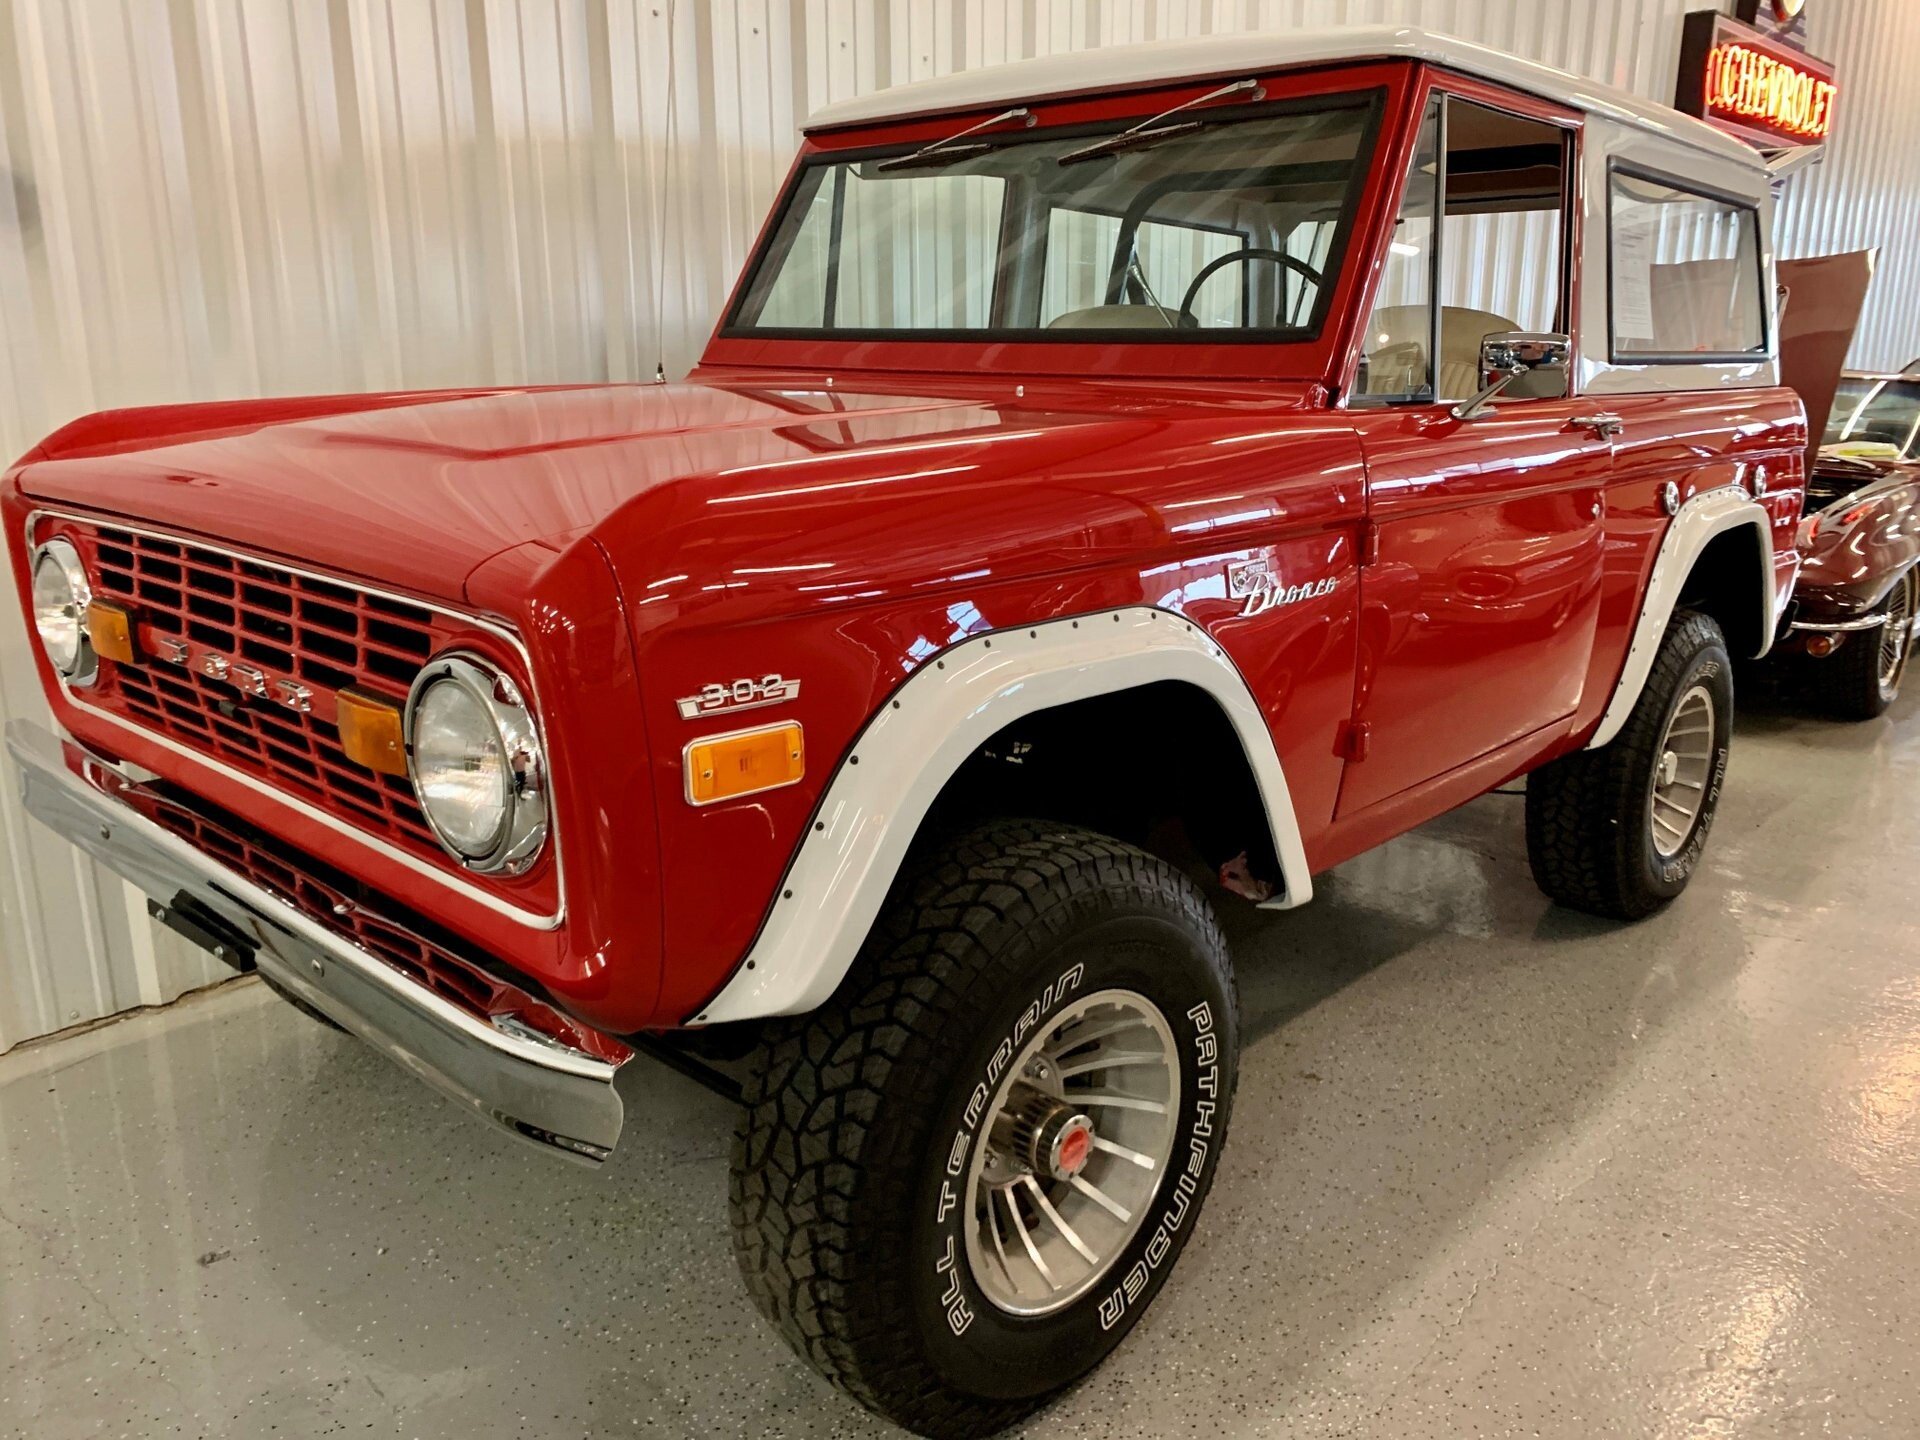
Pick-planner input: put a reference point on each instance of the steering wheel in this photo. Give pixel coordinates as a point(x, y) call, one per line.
point(1232, 257)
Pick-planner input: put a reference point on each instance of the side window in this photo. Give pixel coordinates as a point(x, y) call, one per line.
point(1490, 188)
point(1686, 273)
point(1502, 241)
point(1083, 255)
point(1396, 351)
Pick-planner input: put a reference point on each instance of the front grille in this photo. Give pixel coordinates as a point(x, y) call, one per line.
point(328, 634)
point(242, 660)
point(288, 627)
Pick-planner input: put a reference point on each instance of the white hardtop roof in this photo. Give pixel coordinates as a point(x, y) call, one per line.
point(1122, 67)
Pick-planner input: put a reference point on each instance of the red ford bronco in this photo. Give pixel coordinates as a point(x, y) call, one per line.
point(1198, 460)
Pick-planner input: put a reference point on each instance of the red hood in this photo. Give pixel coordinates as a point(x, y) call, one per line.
point(417, 491)
point(412, 490)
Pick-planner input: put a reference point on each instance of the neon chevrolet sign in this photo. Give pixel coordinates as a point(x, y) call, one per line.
point(1764, 92)
point(1749, 86)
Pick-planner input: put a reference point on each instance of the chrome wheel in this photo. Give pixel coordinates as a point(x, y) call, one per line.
point(1896, 636)
point(1074, 1144)
point(1681, 773)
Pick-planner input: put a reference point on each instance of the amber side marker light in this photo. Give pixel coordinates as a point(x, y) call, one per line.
point(725, 767)
point(110, 628)
point(370, 732)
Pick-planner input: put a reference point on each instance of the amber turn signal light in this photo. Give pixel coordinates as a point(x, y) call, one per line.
point(725, 767)
point(110, 628)
point(370, 732)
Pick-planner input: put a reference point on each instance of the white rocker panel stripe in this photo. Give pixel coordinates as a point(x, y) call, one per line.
point(941, 715)
point(1706, 515)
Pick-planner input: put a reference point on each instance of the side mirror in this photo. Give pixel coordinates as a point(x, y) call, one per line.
point(1507, 356)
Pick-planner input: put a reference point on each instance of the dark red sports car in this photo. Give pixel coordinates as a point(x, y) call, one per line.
point(1858, 599)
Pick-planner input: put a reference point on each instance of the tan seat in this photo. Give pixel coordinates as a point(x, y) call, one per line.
point(1461, 331)
point(1121, 317)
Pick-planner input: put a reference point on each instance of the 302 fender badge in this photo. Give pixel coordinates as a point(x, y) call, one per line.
point(1254, 582)
point(745, 694)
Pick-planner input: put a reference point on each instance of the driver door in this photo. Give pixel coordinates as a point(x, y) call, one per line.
point(1480, 579)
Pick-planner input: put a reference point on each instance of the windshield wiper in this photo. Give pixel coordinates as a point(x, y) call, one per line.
point(1150, 130)
point(943, 151)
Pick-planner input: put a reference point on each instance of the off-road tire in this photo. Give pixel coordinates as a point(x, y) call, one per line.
point(1849, 684)
point(854, 1112)
point(1589, 827)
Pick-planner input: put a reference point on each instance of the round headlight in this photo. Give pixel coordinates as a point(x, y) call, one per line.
point(476, 764)
point(60, 599)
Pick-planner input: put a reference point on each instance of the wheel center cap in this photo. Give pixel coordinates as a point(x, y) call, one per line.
point(1072, 1148)
point(1042, 1134)
point(1669, 769)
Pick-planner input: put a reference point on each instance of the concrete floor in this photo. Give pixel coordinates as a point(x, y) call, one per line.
point(1496, 1169)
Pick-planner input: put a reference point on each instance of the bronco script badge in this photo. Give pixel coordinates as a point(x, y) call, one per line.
point(1255, 582)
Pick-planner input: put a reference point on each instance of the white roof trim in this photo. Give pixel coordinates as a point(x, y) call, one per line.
point(1122, 67)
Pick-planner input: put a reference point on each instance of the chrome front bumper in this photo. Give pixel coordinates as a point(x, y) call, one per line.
point(496, 1060)
point(1847, 627)
point(1837, 627)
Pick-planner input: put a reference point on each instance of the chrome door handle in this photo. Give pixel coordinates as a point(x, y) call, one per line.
point(1604, 426)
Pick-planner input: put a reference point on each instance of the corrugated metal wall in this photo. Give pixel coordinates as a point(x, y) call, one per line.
point(1866, 194)
point(230, 197)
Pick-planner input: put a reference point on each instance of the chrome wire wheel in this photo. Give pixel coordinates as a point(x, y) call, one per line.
point(1076, 1139)
point(1681, 773)
point(1896, 636)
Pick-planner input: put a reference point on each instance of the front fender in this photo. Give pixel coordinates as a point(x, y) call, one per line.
point(565, 601)
point(873, 806)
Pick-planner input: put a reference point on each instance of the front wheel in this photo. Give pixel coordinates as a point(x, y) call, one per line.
point(1863, 678)
point(960, 1182)
point(1618, 831)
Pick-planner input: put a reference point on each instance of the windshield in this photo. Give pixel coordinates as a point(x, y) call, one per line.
point(1876, 412)
point(1234, 227)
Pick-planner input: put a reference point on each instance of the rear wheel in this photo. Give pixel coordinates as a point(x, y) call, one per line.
point(1618, 831)
point(1862, 678)
point(960, 1182)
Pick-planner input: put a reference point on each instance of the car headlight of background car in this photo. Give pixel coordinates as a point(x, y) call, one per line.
point(61, 595)
point(476, 764)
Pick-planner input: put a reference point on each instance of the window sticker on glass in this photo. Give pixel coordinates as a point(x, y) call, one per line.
point(1687, 273)
point(1633, 280)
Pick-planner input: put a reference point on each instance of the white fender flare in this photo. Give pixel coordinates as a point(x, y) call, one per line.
point(945, 711)
point(1706, 516)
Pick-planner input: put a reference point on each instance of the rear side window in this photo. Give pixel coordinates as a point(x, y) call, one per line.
point(1686, 274)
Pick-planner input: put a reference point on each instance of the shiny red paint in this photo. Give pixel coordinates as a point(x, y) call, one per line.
point(856, 551)
point(1700, 441)
point(841, 512)
point(1533, 559)
point(1489, 568)
point(1866, 537)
